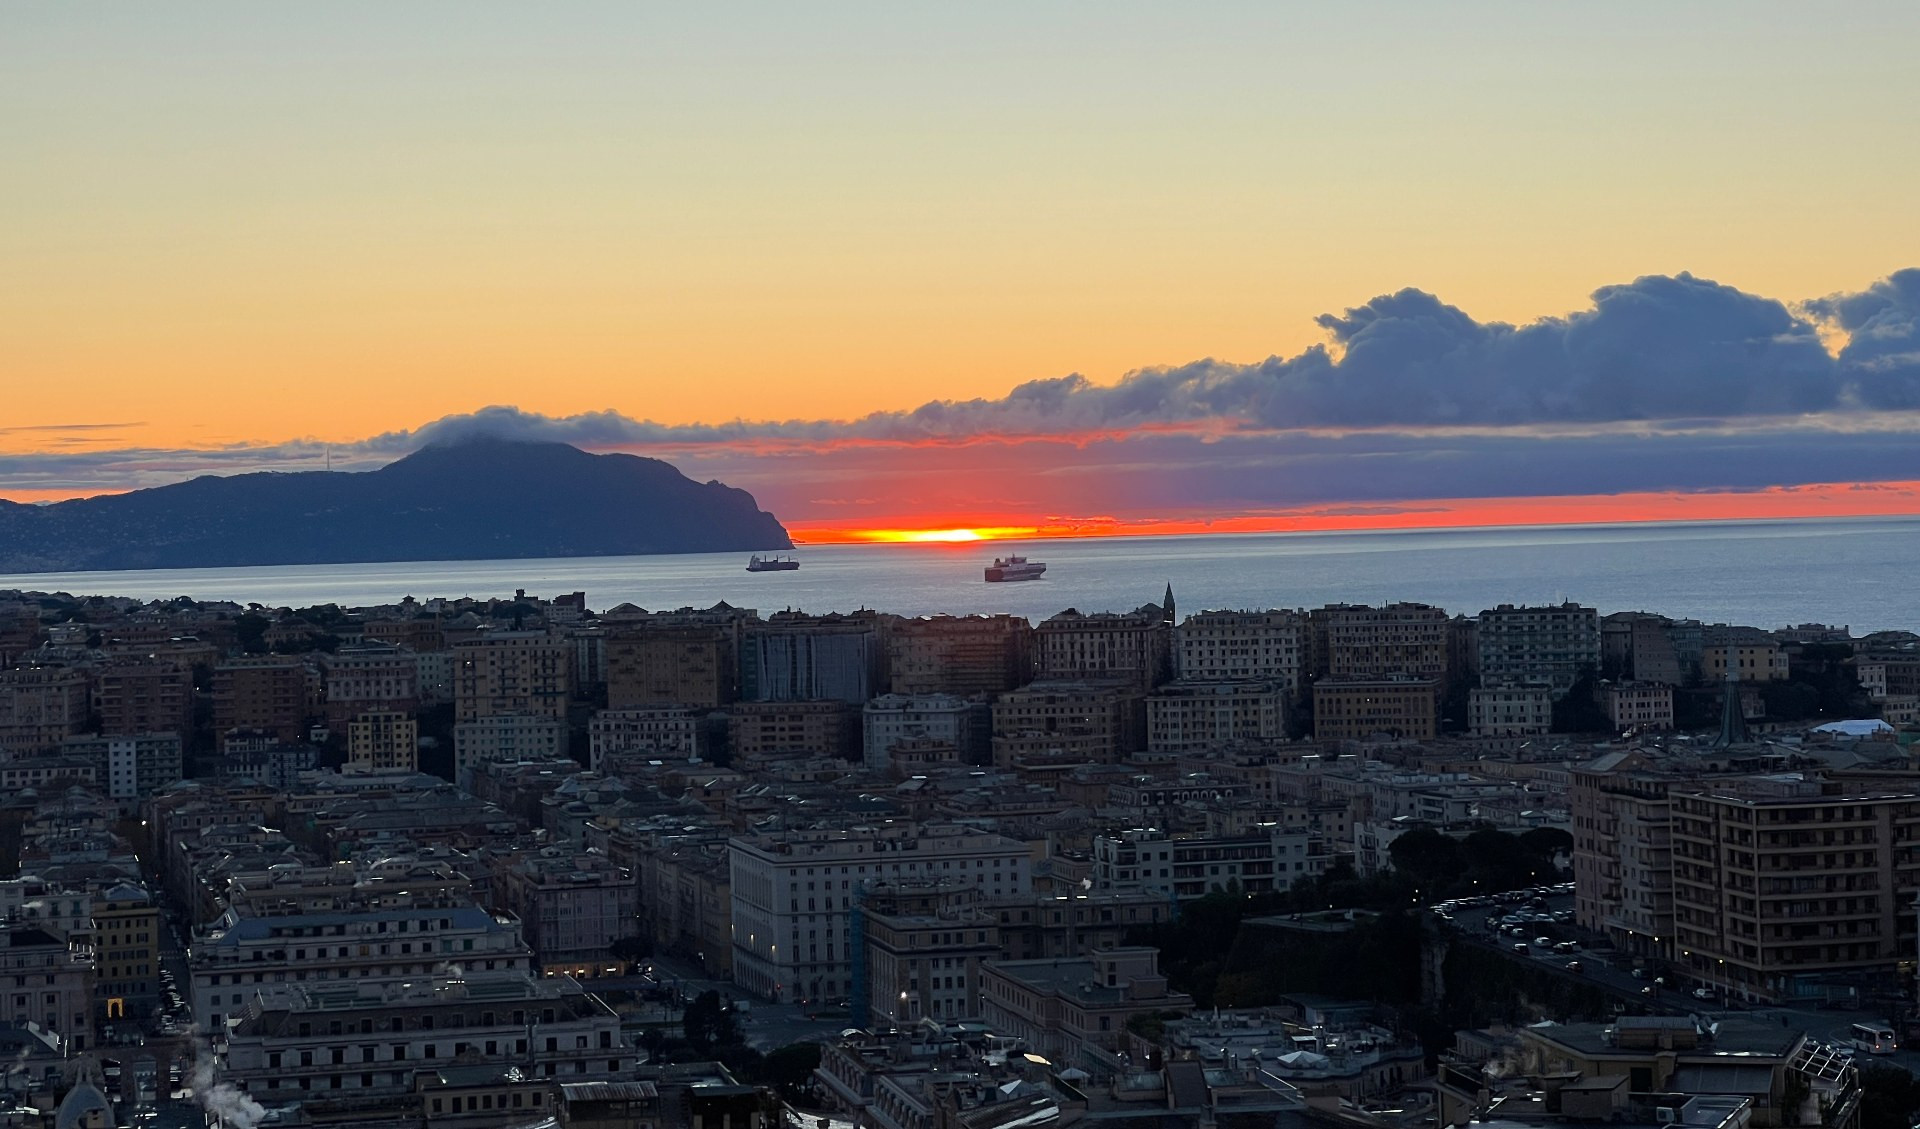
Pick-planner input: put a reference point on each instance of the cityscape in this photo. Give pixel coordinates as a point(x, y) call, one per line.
point(493, 861)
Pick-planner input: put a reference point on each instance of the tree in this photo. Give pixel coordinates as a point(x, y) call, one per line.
point(1427, 856)
point(709, 1024)
point(789, 1069)
point(631, 950)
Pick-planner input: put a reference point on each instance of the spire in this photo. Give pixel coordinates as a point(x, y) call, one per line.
point(1166, 605)
point(1733, 717)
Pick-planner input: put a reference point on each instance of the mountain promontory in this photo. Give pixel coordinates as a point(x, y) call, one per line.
point(476, 499)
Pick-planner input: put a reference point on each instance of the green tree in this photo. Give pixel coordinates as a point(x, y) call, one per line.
point(709, 1024)
point(789, 1069)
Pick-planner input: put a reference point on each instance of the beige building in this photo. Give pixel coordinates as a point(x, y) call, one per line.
point(926, 943)
point(145, 696)
point(1222, 645)
point(650, 664)
point(370, 679)
point(1353, 709)
point(267, 694)
point(126, 954)
point(1623, 851)
point(827, 728)
point(383, 742)
point(1638, 705)
point(1364, 642)
point(1134, 647)
point(39, 708)
point(42, 981)
point(1097, 721)
point(1756, 658)
point(511, 672)
point(572, 905)
point(1777, 896)
point(1193, 716)
point(1509, 710)
point(1074, 1012)
point(962, 655)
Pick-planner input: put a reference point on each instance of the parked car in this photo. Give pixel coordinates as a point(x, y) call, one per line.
point(1576, 968)
point(1520, 947)
point(1703, 993)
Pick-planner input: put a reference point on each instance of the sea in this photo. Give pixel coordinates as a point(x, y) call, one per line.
point(1855, 572)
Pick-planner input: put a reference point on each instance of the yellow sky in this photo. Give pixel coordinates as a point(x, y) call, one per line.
point(226, 223)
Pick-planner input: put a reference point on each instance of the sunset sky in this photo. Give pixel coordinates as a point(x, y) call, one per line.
point(1452, 262)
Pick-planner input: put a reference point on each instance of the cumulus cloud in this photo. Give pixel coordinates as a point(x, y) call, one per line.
point(1667, 380)
point(1655, 349)
point(1882, 324)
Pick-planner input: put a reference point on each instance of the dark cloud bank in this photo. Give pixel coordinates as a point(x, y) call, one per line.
point(1663, 383)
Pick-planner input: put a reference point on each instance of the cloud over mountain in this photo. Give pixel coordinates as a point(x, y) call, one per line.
point(1668, 382)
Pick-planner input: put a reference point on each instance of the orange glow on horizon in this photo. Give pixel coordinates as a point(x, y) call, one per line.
point(1879, 499)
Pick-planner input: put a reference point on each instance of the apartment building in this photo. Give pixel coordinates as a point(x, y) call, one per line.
point(573, 905)
point(126, 953)
point(506, 737)
point(1756, 657)
point(926, 942)
point(1373, 643)
point(829, 728)
point(1195, 715)
point(133, 766)
point(39, 708)
point(370, 678)
point(244, 960)
point(383, 741)
point(960, 655)
point(669, 732)
point(1554, 645)
point(1269, 859)
point(511, 672)
point(262, 695)
point(893, 719)
point(1509, 710)
point(1354, 709)
point(654, 664)
point(794, 892)
point(1095, 721)
point(1775, 897)
point(1132, 647)
point(1638, 705)
point(1228, 645)
point(145, 696)
point(1642, 646)
point(370, 1039)
point(43, 981)
point(1075, 1011)
point(794, 657)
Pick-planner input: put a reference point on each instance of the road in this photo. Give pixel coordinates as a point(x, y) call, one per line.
point(766, 1026)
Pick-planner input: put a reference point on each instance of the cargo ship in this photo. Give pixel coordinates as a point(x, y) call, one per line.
point(772, 564)
point(1014, 568)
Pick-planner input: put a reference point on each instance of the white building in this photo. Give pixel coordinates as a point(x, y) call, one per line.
point(1190, 716)
point(1510, 709)
point(893, 718)
point(794, 895)
point(368, 1039)
point(1233, 645)
point(133, 767)
point(671, 732)
point(1266, 859)
point(505, 737)
point(244, 958)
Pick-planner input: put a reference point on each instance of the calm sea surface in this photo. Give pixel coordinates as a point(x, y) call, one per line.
point(1858, 572)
